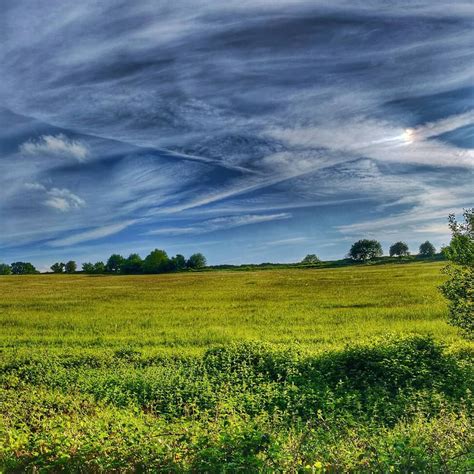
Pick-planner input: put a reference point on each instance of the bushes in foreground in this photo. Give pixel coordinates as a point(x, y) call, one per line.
point(459, 289)
point(392, 406)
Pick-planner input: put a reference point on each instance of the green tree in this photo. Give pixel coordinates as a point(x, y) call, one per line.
point(23, 268)
point(365, 250)
point(156, 262)
point(57, 267)
point(427, 249)
point(133, 264)
point(459, 289)
point(310, 259)
point(5, 269)
point(88, 267)
point(70, 266)
point(178, 263)
point(99, 267)
point(114, 263)
point(399, 249)
point(196, 261)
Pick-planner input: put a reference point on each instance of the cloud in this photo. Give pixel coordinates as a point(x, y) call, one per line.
point(94, 234)
point(384, 141)
point(60, 199)
point(221, 223)
point(35, 187)
point(58, 145)
point(63, 200)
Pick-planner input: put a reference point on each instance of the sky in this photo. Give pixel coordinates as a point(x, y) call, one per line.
point(250, 131)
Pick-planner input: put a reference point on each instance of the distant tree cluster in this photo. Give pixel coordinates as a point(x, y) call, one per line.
point(159, 262)
point(69, 267)
point(366, 249)
point(310, 259)
point(18, 268)
point(155, 262)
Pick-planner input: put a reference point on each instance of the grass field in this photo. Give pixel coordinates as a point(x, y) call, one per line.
point(294, 370)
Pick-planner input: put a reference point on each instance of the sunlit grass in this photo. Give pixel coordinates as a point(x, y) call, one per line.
point(318, 309)
point(122, 373)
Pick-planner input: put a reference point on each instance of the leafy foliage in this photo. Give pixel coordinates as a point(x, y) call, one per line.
point(310, 259)
point(114, 263)
point(23, 268)
point(156, 262)
point(459, 289)
point(70, 266)
point(57, 267)
point(399, 249)
point(365, 250)
point(5, 269)
point(427, 249)
point(196, 261)
point(392, 405)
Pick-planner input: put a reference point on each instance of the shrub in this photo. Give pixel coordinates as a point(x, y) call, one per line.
point(459, 289)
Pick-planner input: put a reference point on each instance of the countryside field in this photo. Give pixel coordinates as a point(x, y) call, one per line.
point(301, 370)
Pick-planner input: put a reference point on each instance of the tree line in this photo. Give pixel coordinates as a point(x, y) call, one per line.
point(159, 262)
point(366, 249)
point(156, 261)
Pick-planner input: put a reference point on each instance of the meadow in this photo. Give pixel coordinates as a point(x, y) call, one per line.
point(294, 370)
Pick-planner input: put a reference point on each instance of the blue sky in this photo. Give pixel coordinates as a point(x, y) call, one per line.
point(252, 131)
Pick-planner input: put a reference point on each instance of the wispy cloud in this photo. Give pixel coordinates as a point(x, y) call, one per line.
point(63, 200)
point(94, 234)
point(221, 223)
point(60, 199)
point(58, 145)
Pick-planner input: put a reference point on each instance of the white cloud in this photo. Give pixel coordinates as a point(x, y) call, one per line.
point(35, 187)
point(63, 200)
point(220, 223)
point(58, 145)
point(384, 141)
point(94, 234)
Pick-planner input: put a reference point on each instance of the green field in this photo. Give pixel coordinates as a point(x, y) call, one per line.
point(299, 370)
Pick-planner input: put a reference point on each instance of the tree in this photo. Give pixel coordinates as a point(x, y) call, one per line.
point(88, 267)
point(99, 267)
point(197, 260)
point(70, 266)
point(459, 289)
point(57, 267)
point(23, 268)
point(133, 264)
point(399, 249)
point(178, 263)
point(365, 250)
point(5, 269)
point(156, 262)
point(114, 263)
point(310, 259)
point(427, 249)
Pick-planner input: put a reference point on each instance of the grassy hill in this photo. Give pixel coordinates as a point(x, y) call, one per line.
point(301, 370)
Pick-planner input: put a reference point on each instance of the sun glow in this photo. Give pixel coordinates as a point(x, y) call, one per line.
point(409, 135)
